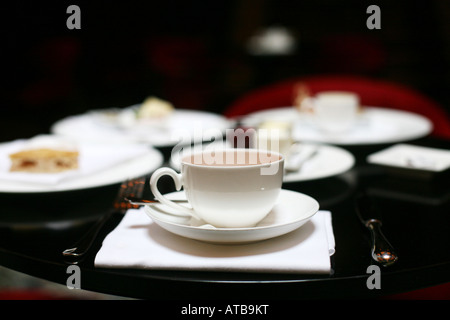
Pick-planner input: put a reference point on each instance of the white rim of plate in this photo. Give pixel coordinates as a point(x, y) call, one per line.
point(146, 168)
point(425, 128)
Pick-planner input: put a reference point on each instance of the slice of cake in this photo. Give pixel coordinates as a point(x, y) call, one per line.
point(43, 161)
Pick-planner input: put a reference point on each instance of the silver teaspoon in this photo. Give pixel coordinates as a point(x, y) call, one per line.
point(146, 202)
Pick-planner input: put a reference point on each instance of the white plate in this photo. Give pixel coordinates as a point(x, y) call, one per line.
point(141, 165)
point(329, 161)
point(183, 126)
point(292, 210)
point(374, 125)
point(412, 157)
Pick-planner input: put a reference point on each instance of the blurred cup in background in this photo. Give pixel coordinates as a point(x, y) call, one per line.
point(336, 111)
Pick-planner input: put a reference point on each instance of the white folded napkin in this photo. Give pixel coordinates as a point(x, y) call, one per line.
point(92, 158)
point(137, 242)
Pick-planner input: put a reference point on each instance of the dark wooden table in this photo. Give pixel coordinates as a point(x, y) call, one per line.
point(416, 220)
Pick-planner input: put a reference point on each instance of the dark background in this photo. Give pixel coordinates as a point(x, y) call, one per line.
point(193, 53)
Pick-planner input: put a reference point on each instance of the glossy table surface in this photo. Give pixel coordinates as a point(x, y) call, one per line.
point(36, 228)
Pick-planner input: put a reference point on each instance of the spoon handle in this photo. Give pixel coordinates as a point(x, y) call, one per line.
point(146, 202)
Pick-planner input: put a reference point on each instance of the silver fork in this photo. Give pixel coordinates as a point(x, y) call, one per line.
point(129, 188)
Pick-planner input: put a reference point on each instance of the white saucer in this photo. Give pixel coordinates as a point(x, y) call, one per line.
point(292, 211)
point(375, 125)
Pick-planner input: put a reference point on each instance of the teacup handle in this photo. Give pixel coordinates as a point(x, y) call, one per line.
point(178, 179)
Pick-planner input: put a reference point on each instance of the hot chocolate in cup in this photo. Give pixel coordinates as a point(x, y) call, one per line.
point(230, 188)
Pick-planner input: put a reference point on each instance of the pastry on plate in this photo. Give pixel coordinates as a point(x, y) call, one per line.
point(43, 160)
point(154, 108)
point(45, 154)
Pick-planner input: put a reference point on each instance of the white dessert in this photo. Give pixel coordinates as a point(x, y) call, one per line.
point(153, 107)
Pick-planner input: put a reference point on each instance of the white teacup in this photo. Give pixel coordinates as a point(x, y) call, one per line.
point(232, 188)
point(336, 111)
